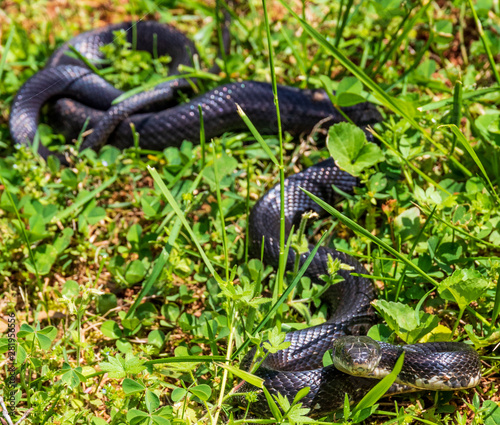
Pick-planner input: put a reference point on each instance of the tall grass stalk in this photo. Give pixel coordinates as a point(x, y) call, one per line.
point(226, 371)
point(175, 206)
point(470, 150)
point(3, 59)
point(282, 256)
point(202, 137)
point(221, 213)
point(456, 113)
point(485, 41)
point(341, 21)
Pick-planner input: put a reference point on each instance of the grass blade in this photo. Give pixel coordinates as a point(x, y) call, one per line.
point(173, 203)
point(415, 169)
point(360, 230)
point(84, 59)
point(456, 113)
point(396, 43)
point(257, 135)
point(283, 254)
point(456, 131)
point(469, 95)
point(186, 359)
point(496, 306)
point(484, 40)
point(221, 213)
point(285, 294)
point(381, 388)
point(244, 375)
point(6, 49)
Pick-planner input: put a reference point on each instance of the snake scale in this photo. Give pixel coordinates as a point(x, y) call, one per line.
point(75, 94)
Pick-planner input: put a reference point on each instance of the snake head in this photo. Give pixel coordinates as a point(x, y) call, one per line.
point(356, 355)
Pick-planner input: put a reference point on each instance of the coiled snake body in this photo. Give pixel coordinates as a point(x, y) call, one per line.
point(76, 93)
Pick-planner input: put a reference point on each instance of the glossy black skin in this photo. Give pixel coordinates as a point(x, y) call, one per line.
point(75, 93)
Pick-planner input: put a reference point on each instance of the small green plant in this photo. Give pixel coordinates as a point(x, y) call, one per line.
point(128, 67)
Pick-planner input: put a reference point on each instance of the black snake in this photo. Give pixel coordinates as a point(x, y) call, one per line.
point(76, 93)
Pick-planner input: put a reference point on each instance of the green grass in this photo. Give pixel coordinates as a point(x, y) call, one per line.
point(128, 272)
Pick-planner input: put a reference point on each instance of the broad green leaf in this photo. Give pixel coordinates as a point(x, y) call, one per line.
point(156, 338)
point(402, 319)
point(327, 359)
point(72, 377)
point(124, 346)
point(379, 332)
point(49, 331)
point(158, 420)
point(111, 329)
point(152, 401)
point(178, 394)
point(463, 287)
point(95, 419)
point(439, 333)
point(63, 240)
point(347, 144)
point(350, 84)
point(130, 386)
point(491, 412)
point(133, 365)
point(45, 256)
point(25, 328)
point(69, 178)
point(361, 415)
point(225, 166)
point(118, 367)
point(134, 234)
point(276, 341)
point(203, 391)
point(135, 416)
point(407, 223)
point(135, 272)
point(349, 92)
point(95, 215)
